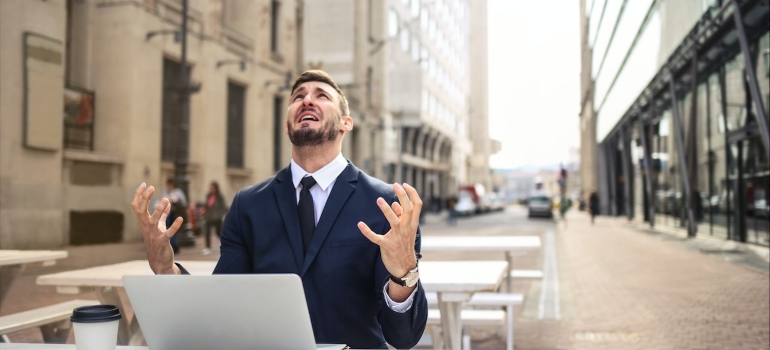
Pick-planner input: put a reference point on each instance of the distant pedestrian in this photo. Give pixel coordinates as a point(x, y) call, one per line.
point(214, 214)
point(452, 217)
point(593, 205)
point(178, 202)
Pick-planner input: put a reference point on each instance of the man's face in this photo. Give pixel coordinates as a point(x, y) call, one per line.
point(314, 115)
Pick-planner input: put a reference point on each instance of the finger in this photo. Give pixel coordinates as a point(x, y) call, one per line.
point(397, 209)
point(164, 216)
point(406, 204)
point(144, 203)
point(368, 233)
point(174, 227)
point(388, 212)
point(138, 198)
point(416, 201)
point(158, 212)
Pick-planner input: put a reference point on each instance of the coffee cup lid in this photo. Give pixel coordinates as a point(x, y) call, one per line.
point(95, 314)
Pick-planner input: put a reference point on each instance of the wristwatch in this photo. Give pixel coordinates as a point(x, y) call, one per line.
point(410, 280)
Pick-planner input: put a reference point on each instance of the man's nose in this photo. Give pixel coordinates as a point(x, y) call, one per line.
point(308, 100)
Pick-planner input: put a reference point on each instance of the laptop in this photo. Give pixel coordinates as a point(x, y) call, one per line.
point(183, 312)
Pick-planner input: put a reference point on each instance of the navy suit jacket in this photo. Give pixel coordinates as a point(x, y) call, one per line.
point(342, 272)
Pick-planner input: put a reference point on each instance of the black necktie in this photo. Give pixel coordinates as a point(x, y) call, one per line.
point(306, 211)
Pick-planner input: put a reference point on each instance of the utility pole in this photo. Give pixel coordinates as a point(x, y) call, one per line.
point(183, 131)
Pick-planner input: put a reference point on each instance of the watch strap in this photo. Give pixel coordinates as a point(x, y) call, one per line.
point(397, 280)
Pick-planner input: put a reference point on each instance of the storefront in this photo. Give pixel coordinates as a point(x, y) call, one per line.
point(692, 150)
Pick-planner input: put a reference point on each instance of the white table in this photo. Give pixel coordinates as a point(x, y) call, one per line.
point(13, 262)
point(511, 245)
point(455, 282)
point(106, 281)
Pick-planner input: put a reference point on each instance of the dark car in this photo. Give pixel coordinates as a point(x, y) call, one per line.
point(540, 206)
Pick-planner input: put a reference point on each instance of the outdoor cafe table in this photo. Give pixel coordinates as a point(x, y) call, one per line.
point(13, 262)
point(107, 280)
point(455, 282)
point(511, 245)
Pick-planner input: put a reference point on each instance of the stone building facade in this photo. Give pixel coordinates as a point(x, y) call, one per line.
point(89, 96)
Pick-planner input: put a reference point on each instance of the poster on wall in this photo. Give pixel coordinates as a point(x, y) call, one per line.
point(43, 88)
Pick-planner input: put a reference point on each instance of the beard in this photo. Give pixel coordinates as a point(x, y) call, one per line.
point(310, 137)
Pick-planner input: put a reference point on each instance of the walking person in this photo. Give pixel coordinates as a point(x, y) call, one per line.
point(452, 218)
point(593, 205)
point(178, 203)
point(353, 240)
point(214, 213)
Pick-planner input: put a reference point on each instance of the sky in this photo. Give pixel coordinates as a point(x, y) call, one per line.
point(534, 81)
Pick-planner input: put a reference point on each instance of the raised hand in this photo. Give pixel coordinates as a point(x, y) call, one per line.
point(397, 245)
point(157, 237)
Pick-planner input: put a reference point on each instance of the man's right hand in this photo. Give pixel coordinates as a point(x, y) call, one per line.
point(156, 236)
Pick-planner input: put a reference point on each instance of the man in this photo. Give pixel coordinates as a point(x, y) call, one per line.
point(358, 264)
point(593, 205)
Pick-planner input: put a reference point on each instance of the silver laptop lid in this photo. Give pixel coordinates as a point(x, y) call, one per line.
point(221, 311)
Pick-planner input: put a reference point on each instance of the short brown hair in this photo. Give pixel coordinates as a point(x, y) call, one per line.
point(323, 77)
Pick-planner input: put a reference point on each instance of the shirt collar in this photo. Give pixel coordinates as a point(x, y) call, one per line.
point(324, 177)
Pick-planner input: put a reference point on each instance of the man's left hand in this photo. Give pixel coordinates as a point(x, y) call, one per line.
point(397, 245)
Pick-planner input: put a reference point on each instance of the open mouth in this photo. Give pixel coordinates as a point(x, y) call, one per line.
point(307, 117)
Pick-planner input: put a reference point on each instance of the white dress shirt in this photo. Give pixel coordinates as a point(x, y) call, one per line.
point(325, 178)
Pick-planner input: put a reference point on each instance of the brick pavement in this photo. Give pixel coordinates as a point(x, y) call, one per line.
point(623, 289)
point(620, 288)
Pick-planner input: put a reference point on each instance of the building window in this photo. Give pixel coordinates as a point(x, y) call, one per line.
point(405, 39)
point(78, 119)
point(236, 108)
point(275, 11)
point(415, 49)
point(278, 128)
point(392, 23)
point(171, 109)
point(415, 8)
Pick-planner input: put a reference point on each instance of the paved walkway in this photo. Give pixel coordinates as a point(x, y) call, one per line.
point(623, 289)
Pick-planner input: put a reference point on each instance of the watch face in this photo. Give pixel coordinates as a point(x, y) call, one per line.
point(411, 278)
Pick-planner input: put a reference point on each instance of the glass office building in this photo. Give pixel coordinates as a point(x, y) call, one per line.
point(680, 92)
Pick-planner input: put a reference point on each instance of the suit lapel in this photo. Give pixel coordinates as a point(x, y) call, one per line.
point(286, 197)
point(343, 188)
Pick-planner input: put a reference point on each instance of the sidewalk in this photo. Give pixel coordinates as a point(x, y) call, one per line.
point(622, 288)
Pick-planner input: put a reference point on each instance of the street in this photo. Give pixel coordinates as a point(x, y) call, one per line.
point(606, 286)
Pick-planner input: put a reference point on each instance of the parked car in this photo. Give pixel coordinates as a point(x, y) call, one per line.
point(478, 195)
point(465, 205)
point(495, 202)
point(540, 206)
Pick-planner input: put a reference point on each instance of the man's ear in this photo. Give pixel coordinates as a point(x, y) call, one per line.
point(347, 123)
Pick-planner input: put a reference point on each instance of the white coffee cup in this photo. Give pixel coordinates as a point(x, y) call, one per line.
point(96, 327)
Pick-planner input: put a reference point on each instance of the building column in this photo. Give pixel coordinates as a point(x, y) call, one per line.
point(683, 171)
point(647, 164)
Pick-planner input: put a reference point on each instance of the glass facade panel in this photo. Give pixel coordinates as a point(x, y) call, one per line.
point(735, 92)
point(633, 15)
point(763, 69)
point(594, 20)
point(609, 19)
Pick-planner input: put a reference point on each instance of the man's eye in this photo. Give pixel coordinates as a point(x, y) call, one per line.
point(298, 97)
point(324, 96)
